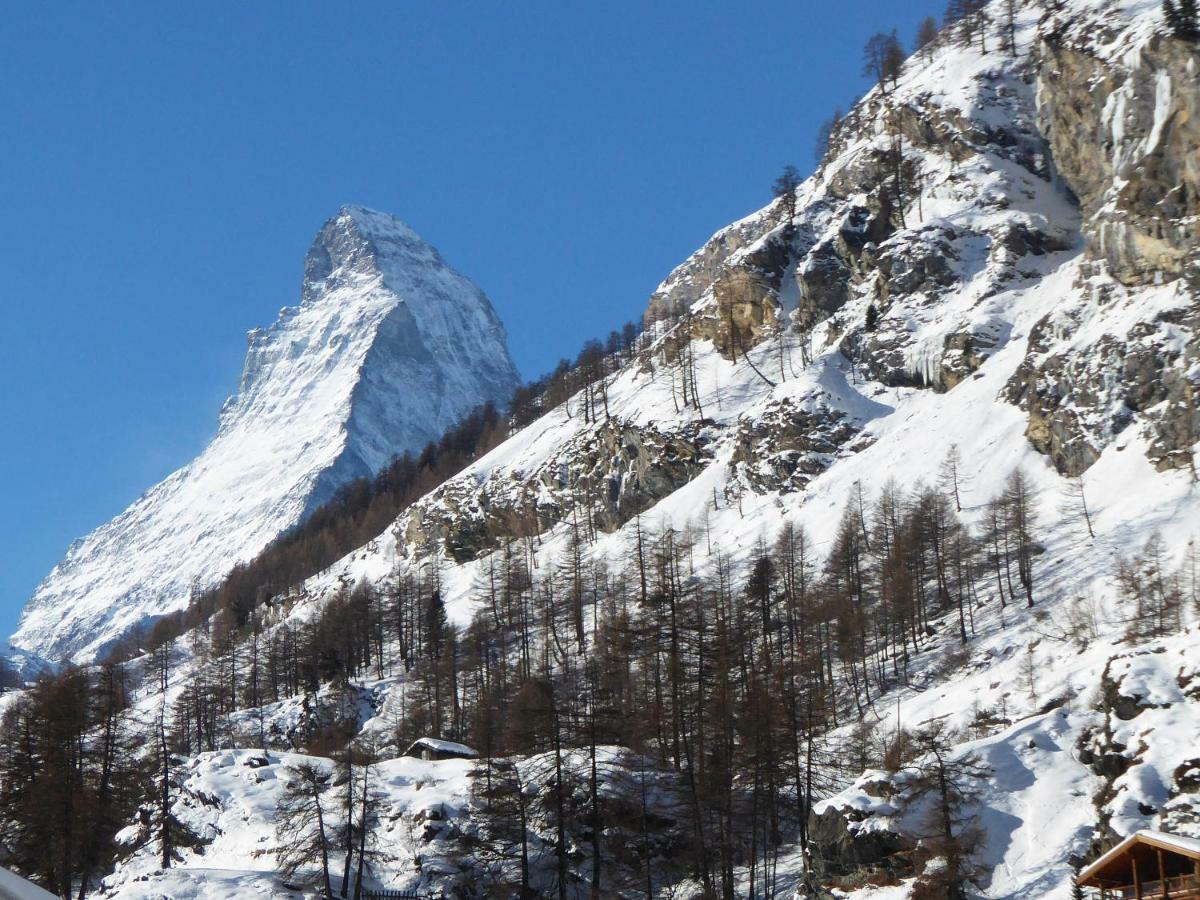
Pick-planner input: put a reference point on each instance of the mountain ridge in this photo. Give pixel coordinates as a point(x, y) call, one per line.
point(900, 478)
point(374, 361)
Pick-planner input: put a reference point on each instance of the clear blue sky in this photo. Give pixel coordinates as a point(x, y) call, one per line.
point(163, 169)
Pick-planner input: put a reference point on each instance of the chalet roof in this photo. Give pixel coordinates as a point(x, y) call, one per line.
point(14, 887)
point(437, 745)
point(1112, 867)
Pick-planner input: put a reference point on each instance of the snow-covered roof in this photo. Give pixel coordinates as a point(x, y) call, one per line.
point(439, 746)
point(1185, 845)
point(14, 887)
point(1174, 843)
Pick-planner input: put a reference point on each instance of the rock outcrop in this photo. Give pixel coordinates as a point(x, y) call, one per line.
point(602, 479)
point(1124, 124)
point(1086, 139)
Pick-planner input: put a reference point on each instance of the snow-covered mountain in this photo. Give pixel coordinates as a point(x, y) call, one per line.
point(1027, 295)
point(388, 347)
point(1031, 300)
point(995, 267)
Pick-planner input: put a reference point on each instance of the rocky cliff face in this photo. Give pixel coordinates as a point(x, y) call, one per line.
point(388, 347)
point(981, 263)
point(940, 194)
point(948, 286)
point(1122, 115)
point(1120, 109)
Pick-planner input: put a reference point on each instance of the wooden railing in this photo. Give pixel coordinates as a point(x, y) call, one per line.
point(1182, 887)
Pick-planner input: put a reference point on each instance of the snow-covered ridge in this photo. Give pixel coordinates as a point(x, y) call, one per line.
point(1002, 330)
point(388, 347)
point(997, 332)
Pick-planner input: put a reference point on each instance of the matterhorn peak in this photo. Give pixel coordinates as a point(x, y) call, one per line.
point(388, 347)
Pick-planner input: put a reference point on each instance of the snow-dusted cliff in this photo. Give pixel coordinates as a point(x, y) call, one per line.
point(993, 259)
point(388, 347)
point(1033, 306)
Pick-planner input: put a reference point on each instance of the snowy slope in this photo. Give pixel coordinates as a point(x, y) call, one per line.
point(388, 347)
point(1039, 805)
point(429, 811)
point(1008, 328)
point(1010, 325)
point(228, 799)
point(901, 394)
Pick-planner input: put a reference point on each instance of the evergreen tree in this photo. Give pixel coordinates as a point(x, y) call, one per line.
point(302, 830)
point(872, 321)
point(927, 33)
point(784, 188)
point(1183, 18)
point(883, 58)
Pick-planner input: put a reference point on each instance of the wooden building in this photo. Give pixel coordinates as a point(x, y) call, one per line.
point(1145, 866)
point(435, 748)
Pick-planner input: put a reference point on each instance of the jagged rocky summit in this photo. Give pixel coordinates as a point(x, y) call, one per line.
point(388, 347)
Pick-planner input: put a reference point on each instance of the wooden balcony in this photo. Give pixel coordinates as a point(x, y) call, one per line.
point(1182, 887)
point(1145, 866)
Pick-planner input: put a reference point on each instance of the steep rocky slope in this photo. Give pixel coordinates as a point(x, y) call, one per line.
point(1002, 324)
point(997, 256)
point(388, 347)
point(1023, 228)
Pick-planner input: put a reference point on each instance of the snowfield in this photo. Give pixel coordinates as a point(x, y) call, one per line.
point(228, 797)
point(1077, 726)
point(388, 348)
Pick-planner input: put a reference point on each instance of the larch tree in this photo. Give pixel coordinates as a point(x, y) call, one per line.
point(971, 20)
point(1008, 9)
point(883, 58)
point(784, 189)
point(948, 785)
point(927, 33)
point(1077, 505)
point(302, 831)
point(1019, 500)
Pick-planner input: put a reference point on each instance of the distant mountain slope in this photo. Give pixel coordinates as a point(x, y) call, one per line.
point(997, 258)
point(388, 347)
point(993, 271)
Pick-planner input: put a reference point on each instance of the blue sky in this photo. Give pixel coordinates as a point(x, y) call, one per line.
point(163, 169)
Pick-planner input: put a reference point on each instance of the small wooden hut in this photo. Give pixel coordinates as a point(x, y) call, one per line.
point(436, 748)
point(1148, 865)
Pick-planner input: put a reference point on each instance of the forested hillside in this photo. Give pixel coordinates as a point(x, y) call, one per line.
point(867, 569)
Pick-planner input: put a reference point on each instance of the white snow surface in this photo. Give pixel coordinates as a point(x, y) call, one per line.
point(1188, 845)
point(228, 798)
point(1039, 805)
point(388, 347)
point(1042, 798)
point(14, 887)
